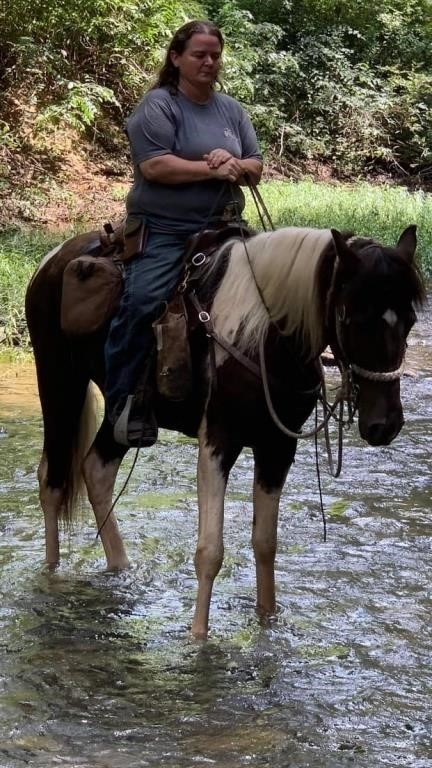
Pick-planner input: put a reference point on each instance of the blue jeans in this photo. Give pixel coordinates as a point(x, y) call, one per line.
point(150, 280)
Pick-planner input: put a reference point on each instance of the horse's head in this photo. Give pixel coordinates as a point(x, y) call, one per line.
point(375, 290)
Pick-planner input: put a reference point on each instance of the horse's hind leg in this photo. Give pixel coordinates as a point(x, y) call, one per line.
point(214, 464)
point(62, 400)
point(270, 475)
point(51, 500)
point(100, 470)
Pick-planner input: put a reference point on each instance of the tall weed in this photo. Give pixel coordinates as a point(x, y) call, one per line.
point(20, 254)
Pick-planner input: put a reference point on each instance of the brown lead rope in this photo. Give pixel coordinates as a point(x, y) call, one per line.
point(329, 409)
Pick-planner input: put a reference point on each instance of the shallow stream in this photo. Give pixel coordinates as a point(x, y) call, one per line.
point(98, 670)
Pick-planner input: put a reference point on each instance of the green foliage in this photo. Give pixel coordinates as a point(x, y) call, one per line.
point(80, 55)
point(335, 81)
point(258, 75)
point(19, 256)
point(410, 118)
point(82, 104)
point(326, 81)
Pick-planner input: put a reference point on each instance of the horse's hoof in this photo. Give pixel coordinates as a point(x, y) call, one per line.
point(51, 567)
point(266, 618)
point(199, 634)
point(121, 565)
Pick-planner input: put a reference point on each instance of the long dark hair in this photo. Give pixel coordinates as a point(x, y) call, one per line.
point(168, 75)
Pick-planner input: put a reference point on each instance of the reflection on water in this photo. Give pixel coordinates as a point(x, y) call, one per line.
point(98, 670)
point(18, 389)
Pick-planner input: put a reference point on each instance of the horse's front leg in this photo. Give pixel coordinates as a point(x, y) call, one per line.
point(269, 479)
point(214, 464)
point(100, 470)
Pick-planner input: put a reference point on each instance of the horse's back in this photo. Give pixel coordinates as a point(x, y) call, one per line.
point(53, 264)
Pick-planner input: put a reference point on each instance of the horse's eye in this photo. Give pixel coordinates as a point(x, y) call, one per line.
point(365, 320)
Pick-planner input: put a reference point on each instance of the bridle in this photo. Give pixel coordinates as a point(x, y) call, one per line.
point(363, 373)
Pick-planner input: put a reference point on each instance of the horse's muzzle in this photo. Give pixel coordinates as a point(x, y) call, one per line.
point(380, 412)
point(377, 434)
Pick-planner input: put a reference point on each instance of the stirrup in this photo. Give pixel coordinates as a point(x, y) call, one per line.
point(134, 432)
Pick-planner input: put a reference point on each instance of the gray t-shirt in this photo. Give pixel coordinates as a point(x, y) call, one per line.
point(165, 123)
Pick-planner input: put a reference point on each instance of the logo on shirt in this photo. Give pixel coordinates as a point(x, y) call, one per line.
point(228, 133)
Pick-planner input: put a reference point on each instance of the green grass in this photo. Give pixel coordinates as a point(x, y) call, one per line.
point(20, 252)
point(381, 212)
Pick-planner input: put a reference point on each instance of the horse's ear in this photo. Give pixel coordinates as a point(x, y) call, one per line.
point(407, 243)
point(348, 258)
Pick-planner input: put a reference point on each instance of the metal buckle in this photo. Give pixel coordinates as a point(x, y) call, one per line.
point(203, 316)
point(198, 259)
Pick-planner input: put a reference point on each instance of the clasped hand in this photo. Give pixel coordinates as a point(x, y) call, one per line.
point(224, 165)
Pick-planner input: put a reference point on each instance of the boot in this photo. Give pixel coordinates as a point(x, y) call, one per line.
point(133, 428)
point(136, 424)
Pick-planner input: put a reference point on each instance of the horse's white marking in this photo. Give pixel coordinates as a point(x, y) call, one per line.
point(100, 478)
point(390, 317)
point(209, 551)
point(48, 256)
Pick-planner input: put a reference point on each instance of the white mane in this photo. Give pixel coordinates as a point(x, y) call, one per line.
point(284, 263)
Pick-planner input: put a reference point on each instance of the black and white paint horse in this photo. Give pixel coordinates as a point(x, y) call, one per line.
point(294, 291)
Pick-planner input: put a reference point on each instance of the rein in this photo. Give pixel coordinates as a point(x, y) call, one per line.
point(346, 391)
point(346, 394)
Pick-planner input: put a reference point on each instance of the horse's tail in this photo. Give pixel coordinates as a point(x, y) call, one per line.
point(74, 489)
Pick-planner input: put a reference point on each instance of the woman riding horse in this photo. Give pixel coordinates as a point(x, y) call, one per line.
point(191, 146)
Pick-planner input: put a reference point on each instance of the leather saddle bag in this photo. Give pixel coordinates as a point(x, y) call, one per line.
point(92, 289)
point(93, 285)
point(174, 365)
